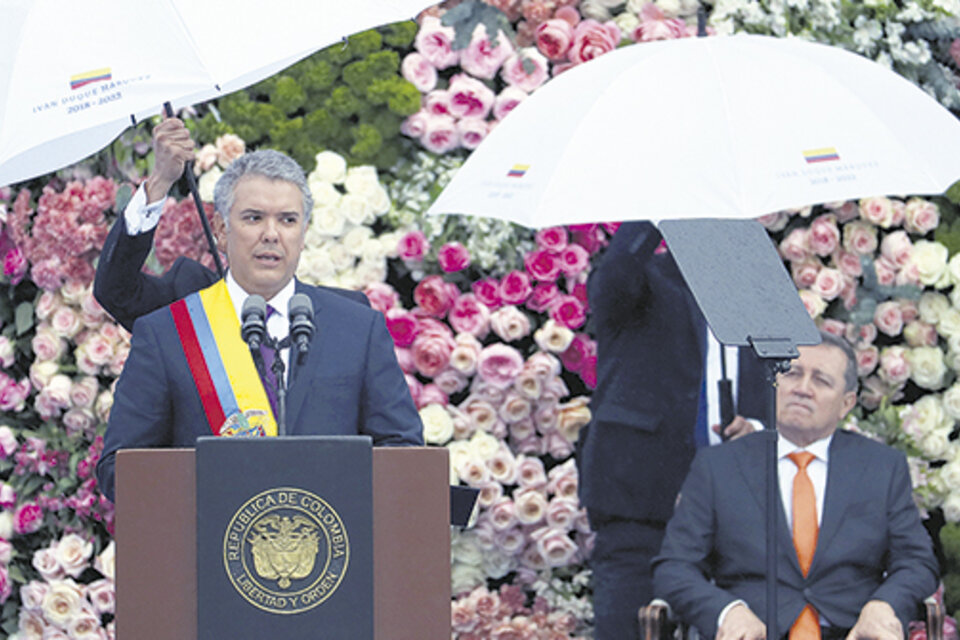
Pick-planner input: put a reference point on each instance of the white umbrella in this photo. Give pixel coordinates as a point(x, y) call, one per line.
point(735, 126)
point(74, 72)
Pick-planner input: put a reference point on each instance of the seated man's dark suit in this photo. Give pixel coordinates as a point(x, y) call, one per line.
point(651, 340)
point(871, 544)
point(349, 384)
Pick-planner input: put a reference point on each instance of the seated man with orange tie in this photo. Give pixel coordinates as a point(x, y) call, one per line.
point(189, 372)
point(854, 560)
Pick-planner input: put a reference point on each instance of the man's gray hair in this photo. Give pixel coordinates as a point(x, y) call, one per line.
point(850, 372)
point(268, 163)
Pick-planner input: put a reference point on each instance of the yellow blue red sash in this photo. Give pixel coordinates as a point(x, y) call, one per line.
point(230, 388)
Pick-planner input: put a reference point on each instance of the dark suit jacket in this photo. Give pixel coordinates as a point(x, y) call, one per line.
point(871, 543)
point(651, 344)
point(350, 384)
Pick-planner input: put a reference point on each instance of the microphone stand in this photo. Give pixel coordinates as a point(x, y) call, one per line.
point(278, 370)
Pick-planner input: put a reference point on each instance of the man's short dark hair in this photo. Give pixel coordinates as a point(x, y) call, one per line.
point(850, 372)
point(268, 163)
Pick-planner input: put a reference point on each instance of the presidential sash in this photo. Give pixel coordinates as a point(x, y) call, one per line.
point(231, 392)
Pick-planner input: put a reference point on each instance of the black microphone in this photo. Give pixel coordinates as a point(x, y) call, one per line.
point(254, 321)
point(300, 311)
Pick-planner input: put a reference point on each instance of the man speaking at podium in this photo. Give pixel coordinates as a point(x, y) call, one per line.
point(190, 373)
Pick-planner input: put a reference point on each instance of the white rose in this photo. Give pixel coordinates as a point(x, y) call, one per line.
point(73, 554)
point(316, 266)
point(6, 525)
point(390, 243)
point(483, 445)
point(670, 8)
point(341, 258)
point(466, 577)
point(949, 324)
point(324, 195)
point(355, 239)
point(951, 402)
point(379, 200)
point(372, 250)
point(327, 221)
point(931, 306)
point(950, 473)
point(497, 564)
point(331, 167)
point(936, 443)
point(362, 181)
point(106, 561)
point(951, 507)
point(929, 415)
point(553, 337)
point(356, 209)
point(927, 366)
point(62, 603)
point(627, 21)
point(369, 272)
point(466, 549)
point(207, 182)
point(437, 424)
point(930, 261)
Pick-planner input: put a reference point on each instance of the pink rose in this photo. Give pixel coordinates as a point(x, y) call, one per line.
point(554, 38)
point(828, 283)
point(824, 235)
point(46, 564)
point(402, 326)
point(515, 70)
point(415, 386)
point(867, 360)
point(382, 296)
point(860, 237)
point(515, 287)
point(654, 25)
point(469, 315)
point(499, 365)
point(472, 131)
point(439, 134)
point(556, 548)
point(531, 473)
point(15, 265)
point(574, 259)
point(894, 367)
point(888, 318)
point(432, 394)
point(8, 499)
point(432, 348)
point(65, 322)
point(510, 324)
point(591, 39)
point(102, 594)
point(413, 246)
point(562, 512)
point(434, 42)
point(204, 159)
point(78, 422)
point(897, 248)
point(542, 265)
point(449, 381)
point(921, 216)
point(886, 271)
point(568, 311)
point(436, 103)
point(487, 291)
point(28, 518)
point(515, 407)
point(795, 246)
point(878, 210)
point(419, 72)
point(920, 334)
point(543, 296)
point(506, 101)
point(862, 334)
point(503, 514)
point(47, 345)
point(413, 126)
point(553, 239)
point(581, 347)
point(8, 441)
point(13, 395)
point(522, 430)
point(481, 59)
point(469, 98)
point(848, 263)
point(453, 256)
point(433, 296)
point(774, 221)
point(805, 272)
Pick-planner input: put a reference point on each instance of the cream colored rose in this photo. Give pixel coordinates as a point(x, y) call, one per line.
point(379, 200)
point(207, 182)
point(369, 272)
point(362, 181)
point(437, 424)
point(573, 416)
point(229, 148)
point(927, 367)
point(670, 8)
point(936, 443)
point(324, 194)
point(949, 324)
point(356, 209)
point(328, 221)
point(73, 554)
point(341, 258)
point(530, 506)
point(484, 445)
point(32, 625)
point(930, 261)
point(951, 507)
point(6, 525)
point(355, 239)
point(331, 167)
point(106, 561)
point(950, 473)
point(503, 466)
point(814, 304)
point(204, 158)
point(474, 472)
point(928, 415)
point(459, 452)
point(553, 337)
point(390, 243)
point(315, 266)
point(627, 21)
point(62, 603)
point(951, 403)
point(931, 306)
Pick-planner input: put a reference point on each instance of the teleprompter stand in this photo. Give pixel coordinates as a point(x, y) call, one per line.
point(749, 300)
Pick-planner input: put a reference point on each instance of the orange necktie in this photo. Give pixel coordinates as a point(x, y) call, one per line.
point(805, 530)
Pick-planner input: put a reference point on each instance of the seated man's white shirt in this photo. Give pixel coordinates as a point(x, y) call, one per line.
point(714, 373)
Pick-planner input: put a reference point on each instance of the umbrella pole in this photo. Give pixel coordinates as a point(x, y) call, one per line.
point(192, 183)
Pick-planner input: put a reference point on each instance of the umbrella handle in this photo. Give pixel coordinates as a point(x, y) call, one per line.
point(192, 183)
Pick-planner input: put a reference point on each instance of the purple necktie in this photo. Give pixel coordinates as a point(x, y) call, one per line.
point(268, 378)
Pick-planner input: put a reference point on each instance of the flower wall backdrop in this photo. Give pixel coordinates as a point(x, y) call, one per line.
point(489, 320)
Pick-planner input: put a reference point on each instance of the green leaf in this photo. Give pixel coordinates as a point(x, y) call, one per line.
point(124, 193)
point(16, 574)
point(23, 317)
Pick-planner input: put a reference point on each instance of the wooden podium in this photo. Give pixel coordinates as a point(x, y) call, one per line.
point(156, 536)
